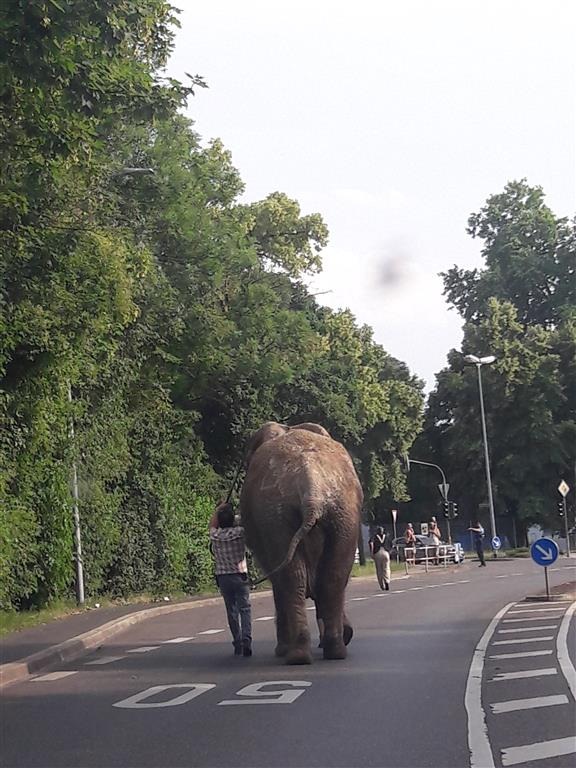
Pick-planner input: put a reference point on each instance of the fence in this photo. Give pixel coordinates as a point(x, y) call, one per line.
point(429, 554)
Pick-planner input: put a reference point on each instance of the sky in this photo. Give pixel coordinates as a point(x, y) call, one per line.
point(395, 120)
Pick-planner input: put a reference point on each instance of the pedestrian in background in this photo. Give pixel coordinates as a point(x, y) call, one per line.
point(436, 535)
point(478, 532)
point(229, 550)
point(381, 558)
point(410, 542)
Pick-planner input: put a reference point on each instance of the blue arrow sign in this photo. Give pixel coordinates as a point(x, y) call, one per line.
point(496, 543)
point(544, 552)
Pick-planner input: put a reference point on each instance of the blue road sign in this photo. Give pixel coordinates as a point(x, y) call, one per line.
point(496, 543)
point(544, 552)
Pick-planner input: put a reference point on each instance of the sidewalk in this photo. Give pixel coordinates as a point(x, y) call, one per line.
point(34, 650)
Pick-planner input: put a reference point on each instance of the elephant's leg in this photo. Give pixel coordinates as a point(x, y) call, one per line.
point(332, 577)
point(290, 588)
point(282, 631)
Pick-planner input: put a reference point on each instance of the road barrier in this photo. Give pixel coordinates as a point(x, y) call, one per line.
point(432, 553)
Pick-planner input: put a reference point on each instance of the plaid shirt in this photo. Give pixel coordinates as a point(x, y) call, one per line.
point(229, 550)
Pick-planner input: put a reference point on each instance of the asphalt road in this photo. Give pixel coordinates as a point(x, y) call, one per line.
point(432, 679)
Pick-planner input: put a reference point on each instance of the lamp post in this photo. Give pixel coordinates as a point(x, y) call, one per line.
point(79, 563)
point(479, 362)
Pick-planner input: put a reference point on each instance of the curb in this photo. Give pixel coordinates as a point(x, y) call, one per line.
point(17, 671)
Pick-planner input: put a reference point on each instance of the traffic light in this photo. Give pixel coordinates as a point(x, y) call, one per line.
point(454, 510)
point(446, 508)
point(560, 506)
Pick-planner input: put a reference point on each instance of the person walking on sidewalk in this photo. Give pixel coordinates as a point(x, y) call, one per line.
point(478, 532)
point(229, 550)
point(381, 558)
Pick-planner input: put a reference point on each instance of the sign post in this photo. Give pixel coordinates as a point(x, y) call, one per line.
point(563, 489)
point(394, 516)
point(544, 552)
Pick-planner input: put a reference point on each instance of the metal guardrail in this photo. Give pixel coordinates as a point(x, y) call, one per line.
point(439, 553)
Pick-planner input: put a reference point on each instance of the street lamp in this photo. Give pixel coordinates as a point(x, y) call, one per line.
point(79, 563)
point(479, 362)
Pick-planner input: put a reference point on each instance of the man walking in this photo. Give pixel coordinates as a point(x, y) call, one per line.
point(478, 532)
point(229, 550)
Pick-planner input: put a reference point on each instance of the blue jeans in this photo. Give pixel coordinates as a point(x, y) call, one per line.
point(235, 589)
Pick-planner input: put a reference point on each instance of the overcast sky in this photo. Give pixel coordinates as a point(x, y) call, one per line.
point(395, 120)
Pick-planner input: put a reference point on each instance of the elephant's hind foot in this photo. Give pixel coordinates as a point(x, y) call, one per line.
point(299, 656)
point(334, 650)
point(281, 650)
point(347, 633)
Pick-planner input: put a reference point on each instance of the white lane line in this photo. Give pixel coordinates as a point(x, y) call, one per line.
point(523, 655)
point(414, 589)
point(562, 651)
point(358, 599)
point(211, 632)
point(177, 640)
point(524, 673)
point(265, 618)
point(530, 618)
point(52, 676)
point(537, 610)
point(526, 629)
point(464, 581)
point(535, 703)
point(524, 640)
point(143, 649)
point(538, 751)
point(478, 742)
point(103, 660)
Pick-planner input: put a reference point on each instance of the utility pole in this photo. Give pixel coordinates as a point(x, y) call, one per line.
point(76, 512)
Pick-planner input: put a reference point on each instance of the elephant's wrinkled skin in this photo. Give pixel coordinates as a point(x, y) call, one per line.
point(300, 507)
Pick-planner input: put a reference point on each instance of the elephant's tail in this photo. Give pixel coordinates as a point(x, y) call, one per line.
point(306, 526)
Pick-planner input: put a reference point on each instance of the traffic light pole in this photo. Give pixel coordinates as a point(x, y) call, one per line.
point(445, 486)
point(566, 526)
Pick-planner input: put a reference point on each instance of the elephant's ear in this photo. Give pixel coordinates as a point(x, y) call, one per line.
point(267, 431)
point(311, 427)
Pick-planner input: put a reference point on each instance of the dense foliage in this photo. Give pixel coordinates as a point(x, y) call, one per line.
point(174, 314)
point(521, 308)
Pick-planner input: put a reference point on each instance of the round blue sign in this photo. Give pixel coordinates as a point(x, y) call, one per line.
point(496, 543)
point(544, 552)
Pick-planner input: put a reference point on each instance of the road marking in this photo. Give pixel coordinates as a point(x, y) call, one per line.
point(265, 618)
point(478, 742)
point(254, 693)
point(526, 629)
point(143, 649)
point(530, 618)
point(464, 581)
point(138, 700)
point(357, 599)
point(562, 650)
point(523, 655)
point(211, 632)
point(103, 660)
point(52, 676)
point(536, 610)
point(414, 589)
point(525, 673)
point(535, 703)
point(177, 640)
point(538, 751)
point(524, 640)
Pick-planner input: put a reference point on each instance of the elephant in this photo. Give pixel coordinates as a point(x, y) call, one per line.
point(300, 506)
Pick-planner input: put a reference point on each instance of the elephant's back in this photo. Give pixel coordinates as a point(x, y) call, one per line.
point(300, 465)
